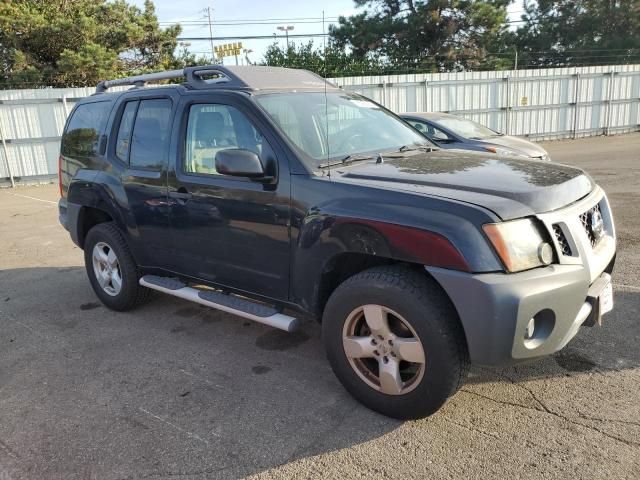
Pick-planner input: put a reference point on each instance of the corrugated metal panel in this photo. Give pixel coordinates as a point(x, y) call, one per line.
point(543, 103)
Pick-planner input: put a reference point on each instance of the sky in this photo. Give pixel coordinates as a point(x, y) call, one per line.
point(307, 15)
point(304, 15)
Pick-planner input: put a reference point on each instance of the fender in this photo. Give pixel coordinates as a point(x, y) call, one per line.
point(90, 189)
point(324, 239)
point(379, 227)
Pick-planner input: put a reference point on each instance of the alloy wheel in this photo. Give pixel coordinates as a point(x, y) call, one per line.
point(383, 349)
point(107, 268)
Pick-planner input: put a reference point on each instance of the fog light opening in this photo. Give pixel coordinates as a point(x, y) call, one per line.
point(539, 328)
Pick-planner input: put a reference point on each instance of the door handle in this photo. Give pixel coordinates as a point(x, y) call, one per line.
point(182, 195)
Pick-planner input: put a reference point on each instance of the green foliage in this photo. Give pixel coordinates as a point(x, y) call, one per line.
point(80, 42)
point(329, 62)
point(580, 32)
point(431, 35)
point(407, 36)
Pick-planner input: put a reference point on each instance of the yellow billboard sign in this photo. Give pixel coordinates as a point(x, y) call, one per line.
point(228, 49)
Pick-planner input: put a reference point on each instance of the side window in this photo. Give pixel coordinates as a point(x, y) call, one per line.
point(151, 133)
point(87, 123)
point(429, 131)
point(212, 128)
point(421, 127)
point(123, 139)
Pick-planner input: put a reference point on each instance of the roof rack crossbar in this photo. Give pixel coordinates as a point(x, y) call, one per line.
point(195, 78)
point(139, 80)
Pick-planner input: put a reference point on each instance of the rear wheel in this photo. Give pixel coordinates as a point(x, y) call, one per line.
point(111, 268)
point(395, 342)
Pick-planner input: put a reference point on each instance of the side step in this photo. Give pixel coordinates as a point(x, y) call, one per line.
point(239, 306)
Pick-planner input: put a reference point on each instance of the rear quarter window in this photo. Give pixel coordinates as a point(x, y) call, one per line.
point(87, 123)
point(151, 133)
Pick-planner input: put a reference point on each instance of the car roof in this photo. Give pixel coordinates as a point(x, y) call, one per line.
point(219, 77)
point(429, 115)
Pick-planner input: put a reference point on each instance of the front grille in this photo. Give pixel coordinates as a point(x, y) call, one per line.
point(565, 249)
point(586, 220)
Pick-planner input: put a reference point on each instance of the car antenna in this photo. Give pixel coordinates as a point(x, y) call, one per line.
point(326, 104)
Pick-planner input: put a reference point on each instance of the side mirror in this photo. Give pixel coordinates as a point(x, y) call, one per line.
point(441, 137)
point(239, 162)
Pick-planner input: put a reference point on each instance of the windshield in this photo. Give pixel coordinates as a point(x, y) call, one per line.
point(466, 128)
point(352, 125)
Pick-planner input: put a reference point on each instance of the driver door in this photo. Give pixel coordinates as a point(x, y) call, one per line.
point(231, 231)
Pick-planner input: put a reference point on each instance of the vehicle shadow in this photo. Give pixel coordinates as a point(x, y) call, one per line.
point(173, 388)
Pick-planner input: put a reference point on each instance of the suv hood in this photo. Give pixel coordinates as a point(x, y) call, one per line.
point(509, 187)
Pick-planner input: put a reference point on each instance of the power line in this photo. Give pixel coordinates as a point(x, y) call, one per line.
point(251, 37)
point(225, 24)
point(238, 20)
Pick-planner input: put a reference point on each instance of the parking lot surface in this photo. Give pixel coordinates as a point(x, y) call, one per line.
point(176, 390)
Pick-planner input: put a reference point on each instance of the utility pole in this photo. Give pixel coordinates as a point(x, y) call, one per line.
point(213, 54)
point(516, 62)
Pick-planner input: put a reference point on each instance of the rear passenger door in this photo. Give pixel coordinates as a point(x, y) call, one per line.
point(142, 132)
point(229, 230)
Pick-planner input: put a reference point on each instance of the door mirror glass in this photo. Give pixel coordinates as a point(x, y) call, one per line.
point(239, 162)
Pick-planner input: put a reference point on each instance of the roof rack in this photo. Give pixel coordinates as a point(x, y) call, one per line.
point(196, 77)
point(233, 77)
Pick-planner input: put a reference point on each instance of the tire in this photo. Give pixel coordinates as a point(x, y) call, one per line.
point(120, 289)
point(415, 308)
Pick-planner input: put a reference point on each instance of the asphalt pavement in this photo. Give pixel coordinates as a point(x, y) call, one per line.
point(177, 390)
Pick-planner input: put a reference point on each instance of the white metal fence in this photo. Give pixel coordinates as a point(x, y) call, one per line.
point(540, 104)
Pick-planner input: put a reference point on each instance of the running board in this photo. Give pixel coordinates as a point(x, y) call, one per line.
point(239, 306)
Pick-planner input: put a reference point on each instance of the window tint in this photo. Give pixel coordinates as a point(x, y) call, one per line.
point(84, 129)
point(212, 128)
point(150, 139)
point(124, 132)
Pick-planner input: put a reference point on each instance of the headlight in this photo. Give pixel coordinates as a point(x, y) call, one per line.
point(504, 151)
point(519, 244)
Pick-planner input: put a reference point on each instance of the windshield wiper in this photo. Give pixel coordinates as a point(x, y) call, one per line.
point(410, 148)
point(356, 157)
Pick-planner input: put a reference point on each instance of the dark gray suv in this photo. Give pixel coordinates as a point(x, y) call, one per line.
point(271, 194)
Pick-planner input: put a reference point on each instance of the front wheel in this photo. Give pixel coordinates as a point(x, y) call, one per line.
point(111, 268)
point(395, 342)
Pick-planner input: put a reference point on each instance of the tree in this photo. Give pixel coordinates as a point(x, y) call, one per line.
point(80, 42)
point(580, 32)
point(328, 62)
point(435, 35)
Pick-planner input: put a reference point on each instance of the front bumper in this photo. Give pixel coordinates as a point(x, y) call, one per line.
point(495, 308)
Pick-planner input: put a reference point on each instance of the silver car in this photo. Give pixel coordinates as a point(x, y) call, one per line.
point(452, 131)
